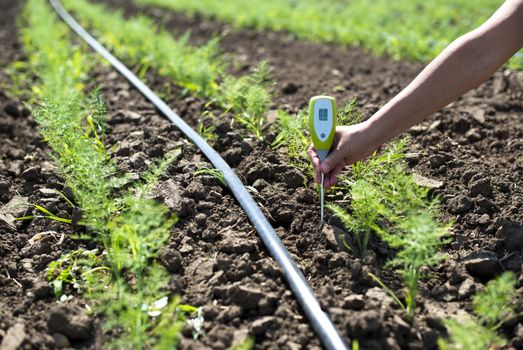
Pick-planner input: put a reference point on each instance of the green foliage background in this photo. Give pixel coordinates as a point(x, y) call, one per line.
point(413, 29)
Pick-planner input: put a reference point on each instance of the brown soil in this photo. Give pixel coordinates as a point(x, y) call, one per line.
point(474, 147)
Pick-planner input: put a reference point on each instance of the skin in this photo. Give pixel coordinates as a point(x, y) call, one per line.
point(466, 63)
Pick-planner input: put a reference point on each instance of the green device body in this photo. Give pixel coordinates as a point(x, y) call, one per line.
point(322, 123)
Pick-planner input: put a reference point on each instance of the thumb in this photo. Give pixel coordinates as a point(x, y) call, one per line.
point(333, 159)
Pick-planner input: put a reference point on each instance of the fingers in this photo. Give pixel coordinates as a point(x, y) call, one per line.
point(315, 162)
point(314, 156)
point(335, 168)
point(335, 157)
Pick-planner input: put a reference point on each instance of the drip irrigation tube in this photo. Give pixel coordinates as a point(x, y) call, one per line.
point(319, 320)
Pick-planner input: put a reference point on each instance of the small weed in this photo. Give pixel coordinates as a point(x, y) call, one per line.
point(206, 128)
point(71, 268)
point(216, 173)
point(47, 215)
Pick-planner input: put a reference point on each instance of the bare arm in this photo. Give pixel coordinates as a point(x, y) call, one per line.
point(463, 65)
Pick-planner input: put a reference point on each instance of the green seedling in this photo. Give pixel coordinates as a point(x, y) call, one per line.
point(20, 87)
point(216, 173)
point(293, 136)
point(471, 335)
point(418, 241)
point(367, 208)
point(493, 307)
point(157, 169)
point(138, 314)
point(205, 127)
point(383, 167)
point(375, 193)
point(207, 132)
point(349, 114)
point(137, 234)
point(47, 215)
point(249, 98)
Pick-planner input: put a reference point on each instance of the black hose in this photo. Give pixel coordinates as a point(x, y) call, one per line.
point(301, 289)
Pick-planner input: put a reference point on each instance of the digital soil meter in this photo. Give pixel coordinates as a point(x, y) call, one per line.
point(322, 125)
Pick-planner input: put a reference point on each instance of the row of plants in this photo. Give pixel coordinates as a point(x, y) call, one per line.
point(199, 70)
point(407, 29)
point(121, 278)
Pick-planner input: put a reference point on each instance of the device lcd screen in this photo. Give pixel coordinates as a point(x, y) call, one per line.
point(323, 114)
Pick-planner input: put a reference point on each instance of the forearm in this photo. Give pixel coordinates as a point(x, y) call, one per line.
point(462, 66)
point(455, 71)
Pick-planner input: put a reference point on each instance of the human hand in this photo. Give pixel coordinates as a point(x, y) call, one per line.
point(351, 144)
